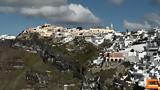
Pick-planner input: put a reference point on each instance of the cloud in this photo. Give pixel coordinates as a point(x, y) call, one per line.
point(67, 13)
point(153, 19)
point(35, 3)
point(149, 21)
point(136, 26)
point(55, 10)
point(117, 2)
point(7, 9)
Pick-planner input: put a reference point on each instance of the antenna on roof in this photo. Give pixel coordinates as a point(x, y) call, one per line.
point(111, 26)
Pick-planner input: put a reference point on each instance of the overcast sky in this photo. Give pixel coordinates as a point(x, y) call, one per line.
point(17, 15)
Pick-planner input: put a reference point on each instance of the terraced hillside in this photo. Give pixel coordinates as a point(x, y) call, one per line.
point(22, 70)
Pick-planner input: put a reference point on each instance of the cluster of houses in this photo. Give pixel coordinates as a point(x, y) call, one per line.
point(47, 30)
point(93, 35)
point(142, 50)
point(148, 65)
point(127, 47)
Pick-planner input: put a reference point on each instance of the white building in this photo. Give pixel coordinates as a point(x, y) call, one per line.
point(7, 37)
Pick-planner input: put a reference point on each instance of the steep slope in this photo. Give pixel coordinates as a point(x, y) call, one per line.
point(21, 70)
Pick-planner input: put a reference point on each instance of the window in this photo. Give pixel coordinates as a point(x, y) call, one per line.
point(153, 83)
point(154, 54)
point(59, 30)
point(108, 54)
point(81, 34)
point(120, 60)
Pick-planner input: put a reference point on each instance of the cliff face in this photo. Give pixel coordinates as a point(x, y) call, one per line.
point(54, 65)
point(21, 70)
point(69, 58)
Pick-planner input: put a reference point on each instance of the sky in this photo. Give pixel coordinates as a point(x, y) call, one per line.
point(18, 15)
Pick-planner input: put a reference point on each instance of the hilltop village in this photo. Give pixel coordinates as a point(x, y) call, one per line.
point(94, 35)
point(99, 58)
